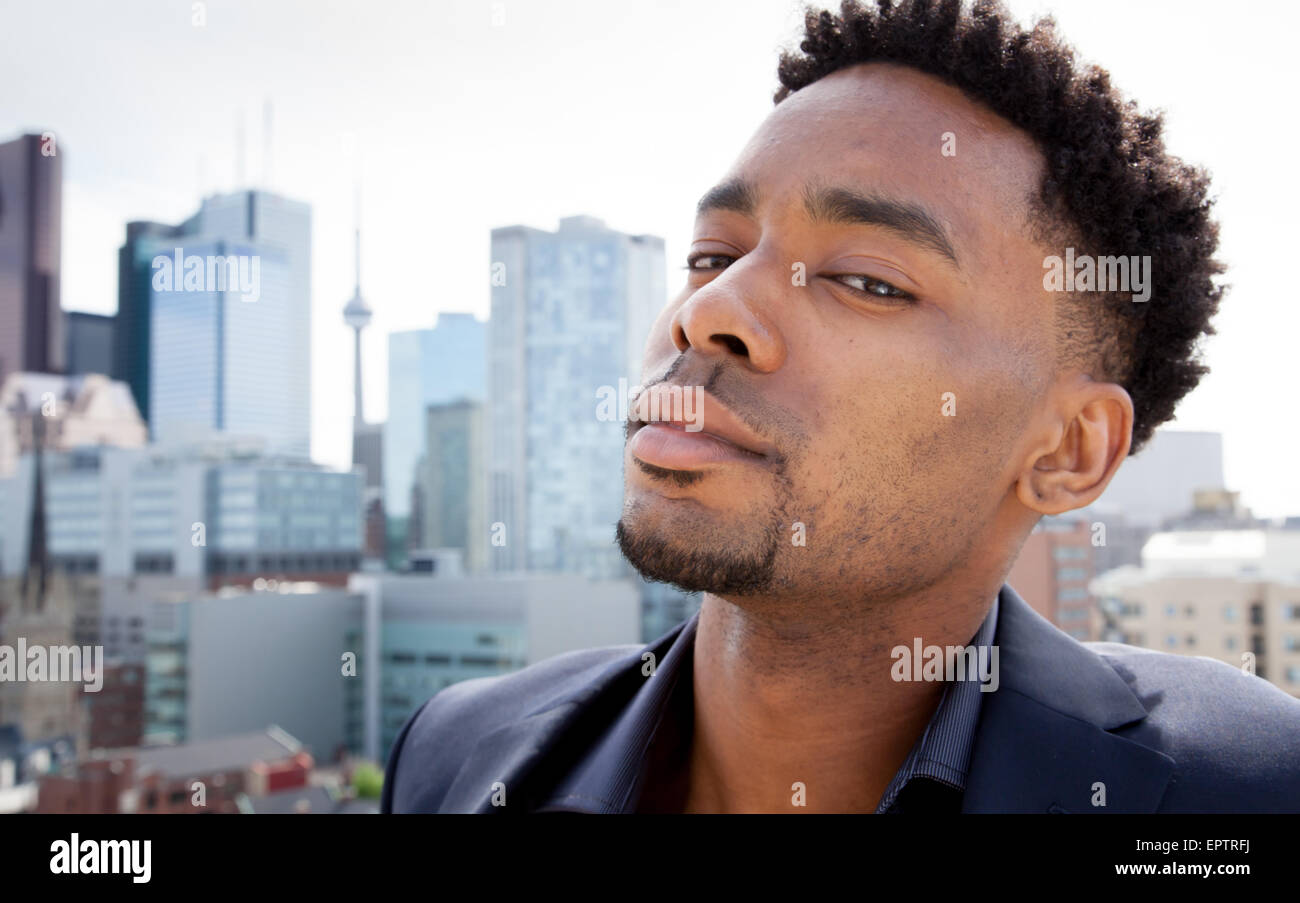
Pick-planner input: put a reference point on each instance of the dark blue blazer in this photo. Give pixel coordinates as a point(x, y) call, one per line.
point(1162, 732)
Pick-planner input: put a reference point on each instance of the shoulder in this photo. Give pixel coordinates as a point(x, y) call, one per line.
point(439, 737)
point(1234, 737)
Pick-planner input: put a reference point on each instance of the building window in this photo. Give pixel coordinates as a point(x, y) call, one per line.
point(1170, 611)
point(1189, 611)
point(487, 661)
point(1230, 613)
point(1230, 642)
point(1171, 641)
point(1293, 675)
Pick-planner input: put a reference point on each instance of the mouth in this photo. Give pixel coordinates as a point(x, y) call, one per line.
point(715, 437)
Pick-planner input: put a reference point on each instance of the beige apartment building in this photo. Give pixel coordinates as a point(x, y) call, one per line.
point(1231, 595)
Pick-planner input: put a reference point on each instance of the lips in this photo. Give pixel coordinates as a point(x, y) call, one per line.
point(713, 436)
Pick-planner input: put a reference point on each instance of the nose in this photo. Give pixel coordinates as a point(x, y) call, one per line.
point(726, 317)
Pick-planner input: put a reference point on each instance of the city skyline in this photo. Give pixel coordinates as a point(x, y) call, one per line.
point(630, 150)
point(276, 540)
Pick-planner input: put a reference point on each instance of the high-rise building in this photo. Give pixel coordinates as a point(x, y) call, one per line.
point(31, 216)
point(452, 485)
point(571, 311)
point(425, 367)
point(89, 341)
point(229, 346)
point(132, 327)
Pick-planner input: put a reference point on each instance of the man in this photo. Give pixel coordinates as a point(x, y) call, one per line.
point(896, 388)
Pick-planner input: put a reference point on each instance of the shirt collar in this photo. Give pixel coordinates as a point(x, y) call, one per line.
point(604, 780)
point(942, 752)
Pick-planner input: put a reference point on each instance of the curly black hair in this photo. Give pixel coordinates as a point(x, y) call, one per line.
point(1108, 187)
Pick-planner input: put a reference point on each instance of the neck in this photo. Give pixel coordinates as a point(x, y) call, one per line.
point(803, 695)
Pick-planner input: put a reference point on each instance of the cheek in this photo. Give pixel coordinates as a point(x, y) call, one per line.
point(877, 388)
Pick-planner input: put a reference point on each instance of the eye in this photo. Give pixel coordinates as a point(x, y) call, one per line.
point(705, 261)
point(868, 285)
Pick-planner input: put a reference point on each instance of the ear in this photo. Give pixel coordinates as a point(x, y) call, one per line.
point(1098, 430)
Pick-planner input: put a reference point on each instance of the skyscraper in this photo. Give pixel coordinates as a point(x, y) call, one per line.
point(31, 215)
point(132, 327)
point(451, 488)
point(571, 310)
point(425, 367)
point(230, 322)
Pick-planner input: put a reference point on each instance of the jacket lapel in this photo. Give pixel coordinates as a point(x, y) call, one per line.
point(1043, 743)
point(508, 755)
point(516, 754)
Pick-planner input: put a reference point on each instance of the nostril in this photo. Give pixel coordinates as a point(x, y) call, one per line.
point(734, 345)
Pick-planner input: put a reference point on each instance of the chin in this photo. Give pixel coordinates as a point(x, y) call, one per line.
point(688, 552)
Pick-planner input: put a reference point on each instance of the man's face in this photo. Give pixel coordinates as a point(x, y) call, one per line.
point(866, 301)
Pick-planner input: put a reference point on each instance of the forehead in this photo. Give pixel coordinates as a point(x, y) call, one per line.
point(884, 128)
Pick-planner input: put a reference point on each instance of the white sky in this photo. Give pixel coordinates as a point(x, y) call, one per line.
point(625, 111)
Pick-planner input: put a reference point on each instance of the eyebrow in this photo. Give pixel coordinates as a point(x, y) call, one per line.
point(842, 206)
point(738, 195)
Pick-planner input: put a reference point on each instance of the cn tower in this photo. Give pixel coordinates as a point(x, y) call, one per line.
point(357, 315)
point(367, 439)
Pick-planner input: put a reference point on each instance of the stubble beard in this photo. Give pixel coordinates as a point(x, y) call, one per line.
point(734, 562)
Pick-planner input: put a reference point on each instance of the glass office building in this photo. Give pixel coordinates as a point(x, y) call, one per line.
point(221, 359)
point(425, 367)
point(570, 316)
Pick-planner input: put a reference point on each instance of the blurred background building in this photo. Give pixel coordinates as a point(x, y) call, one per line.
point(426, 367)
point(31, 241)
point(571, 311)
point(217, 361)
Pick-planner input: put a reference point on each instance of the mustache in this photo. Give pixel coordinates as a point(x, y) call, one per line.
point(771, 422)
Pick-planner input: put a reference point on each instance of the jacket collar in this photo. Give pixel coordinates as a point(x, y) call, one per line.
point(1042, 745)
